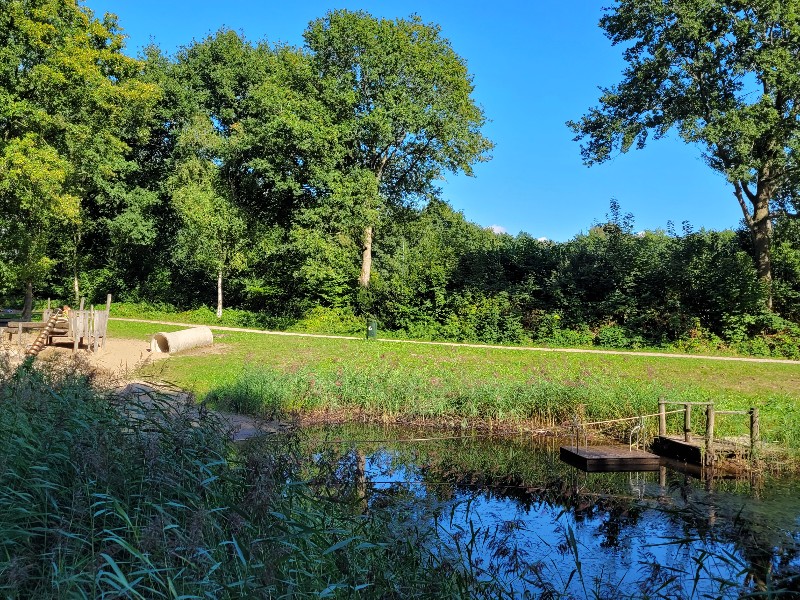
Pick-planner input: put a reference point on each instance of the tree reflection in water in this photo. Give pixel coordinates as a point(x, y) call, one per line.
point(524, 518)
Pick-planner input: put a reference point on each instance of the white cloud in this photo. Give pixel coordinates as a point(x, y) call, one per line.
point(497, 228)
point(542, 239)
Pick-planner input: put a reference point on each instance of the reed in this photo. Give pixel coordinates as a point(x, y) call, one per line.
point(108, 496)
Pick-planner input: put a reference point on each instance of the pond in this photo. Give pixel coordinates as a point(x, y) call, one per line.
point(518, 516)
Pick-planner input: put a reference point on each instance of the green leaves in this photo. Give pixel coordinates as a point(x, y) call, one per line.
point(70, 108)
point(726, 76)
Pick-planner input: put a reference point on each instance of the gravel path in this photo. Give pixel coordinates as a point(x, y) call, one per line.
point(489, 346)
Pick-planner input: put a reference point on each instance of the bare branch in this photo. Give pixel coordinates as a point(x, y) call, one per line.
point(750, 195)
point(738, 193)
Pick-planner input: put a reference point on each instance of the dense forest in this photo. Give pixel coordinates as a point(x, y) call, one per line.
point(284, 181)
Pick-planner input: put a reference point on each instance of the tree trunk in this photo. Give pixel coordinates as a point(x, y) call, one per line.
point(760, 225)
point(27, 308)
point(761, 229)
point(219, 294)
point(366, 258)
point(77, 287)
point(76, 284)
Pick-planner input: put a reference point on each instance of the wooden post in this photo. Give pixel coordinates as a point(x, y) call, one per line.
point(687, 422)
point(108, 302)
point(710, 434)
point(662, 417)
point(755, 432)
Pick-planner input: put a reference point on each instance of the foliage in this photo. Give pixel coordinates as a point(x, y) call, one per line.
point(401, 100)
point(72, 105)
point(336, 321)
point(724, 75)
point(108, 496)
point(263, 166)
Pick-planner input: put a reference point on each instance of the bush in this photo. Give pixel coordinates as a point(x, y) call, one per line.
point(612, 336)
point(763, 334)
point(333, 321)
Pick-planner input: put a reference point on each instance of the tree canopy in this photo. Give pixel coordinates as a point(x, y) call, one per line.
point(269, 170)
point(402, 102)
point(726, 76)
point(70, 104)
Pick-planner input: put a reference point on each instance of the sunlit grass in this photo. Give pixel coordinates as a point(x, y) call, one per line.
point(269, 375)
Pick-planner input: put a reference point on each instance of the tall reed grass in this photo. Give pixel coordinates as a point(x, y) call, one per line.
point(108, 496)
point(392, 393)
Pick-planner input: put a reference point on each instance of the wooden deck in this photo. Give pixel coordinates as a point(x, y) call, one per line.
point(677, 448)
point(605, 459)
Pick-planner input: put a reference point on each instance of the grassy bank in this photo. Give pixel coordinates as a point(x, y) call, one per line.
point(102, 496)
point(351, 379)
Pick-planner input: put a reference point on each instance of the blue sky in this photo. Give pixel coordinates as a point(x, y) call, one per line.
point(535, 65)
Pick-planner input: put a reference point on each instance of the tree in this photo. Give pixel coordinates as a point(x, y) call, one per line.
point(213, 230)
point(726, 76)
point(401, 99)
point(70, 103)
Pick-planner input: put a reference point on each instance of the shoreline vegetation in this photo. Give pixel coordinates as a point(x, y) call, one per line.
point(137, 497)
point(466, 387)
point(103, 495)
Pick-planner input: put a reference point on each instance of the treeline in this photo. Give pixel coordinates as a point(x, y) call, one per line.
point(285, 180)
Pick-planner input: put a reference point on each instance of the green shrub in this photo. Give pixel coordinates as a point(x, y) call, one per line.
point(612, 336)
point(763, 334)
point(334, 321)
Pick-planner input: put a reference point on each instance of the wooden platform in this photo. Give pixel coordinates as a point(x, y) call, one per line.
point(604, 459)
point(676, 448)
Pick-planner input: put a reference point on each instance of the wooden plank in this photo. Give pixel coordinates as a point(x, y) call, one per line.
point(677, 449)
point(604, 459)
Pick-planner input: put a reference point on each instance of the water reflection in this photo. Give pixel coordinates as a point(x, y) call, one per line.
point(535, 525)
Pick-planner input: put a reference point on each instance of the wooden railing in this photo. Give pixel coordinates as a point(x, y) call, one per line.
point(711, 414)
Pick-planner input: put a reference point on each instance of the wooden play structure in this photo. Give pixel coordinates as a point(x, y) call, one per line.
point(82, 326)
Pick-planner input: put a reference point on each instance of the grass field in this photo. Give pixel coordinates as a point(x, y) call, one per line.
point(355, 379)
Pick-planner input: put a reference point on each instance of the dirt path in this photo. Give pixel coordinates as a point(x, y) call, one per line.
point(239, 427)
point(116, 364)
point(488, 346)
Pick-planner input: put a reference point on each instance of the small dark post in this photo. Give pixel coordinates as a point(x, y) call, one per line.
point(662, 417)
point(710, 434)
point(755, 432)
point(687, 422)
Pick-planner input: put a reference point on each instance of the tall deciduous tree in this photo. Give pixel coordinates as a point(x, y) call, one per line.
point(213, 233)
point(726, 75)
point(70, 102)
point(402, 100)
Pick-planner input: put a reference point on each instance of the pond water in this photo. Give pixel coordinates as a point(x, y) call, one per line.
point(512, 511)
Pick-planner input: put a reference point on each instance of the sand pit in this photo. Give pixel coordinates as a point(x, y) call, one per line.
point(120, 356)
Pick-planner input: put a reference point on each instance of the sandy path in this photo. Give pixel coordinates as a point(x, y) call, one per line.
point(118, 361)
point(489, 346)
